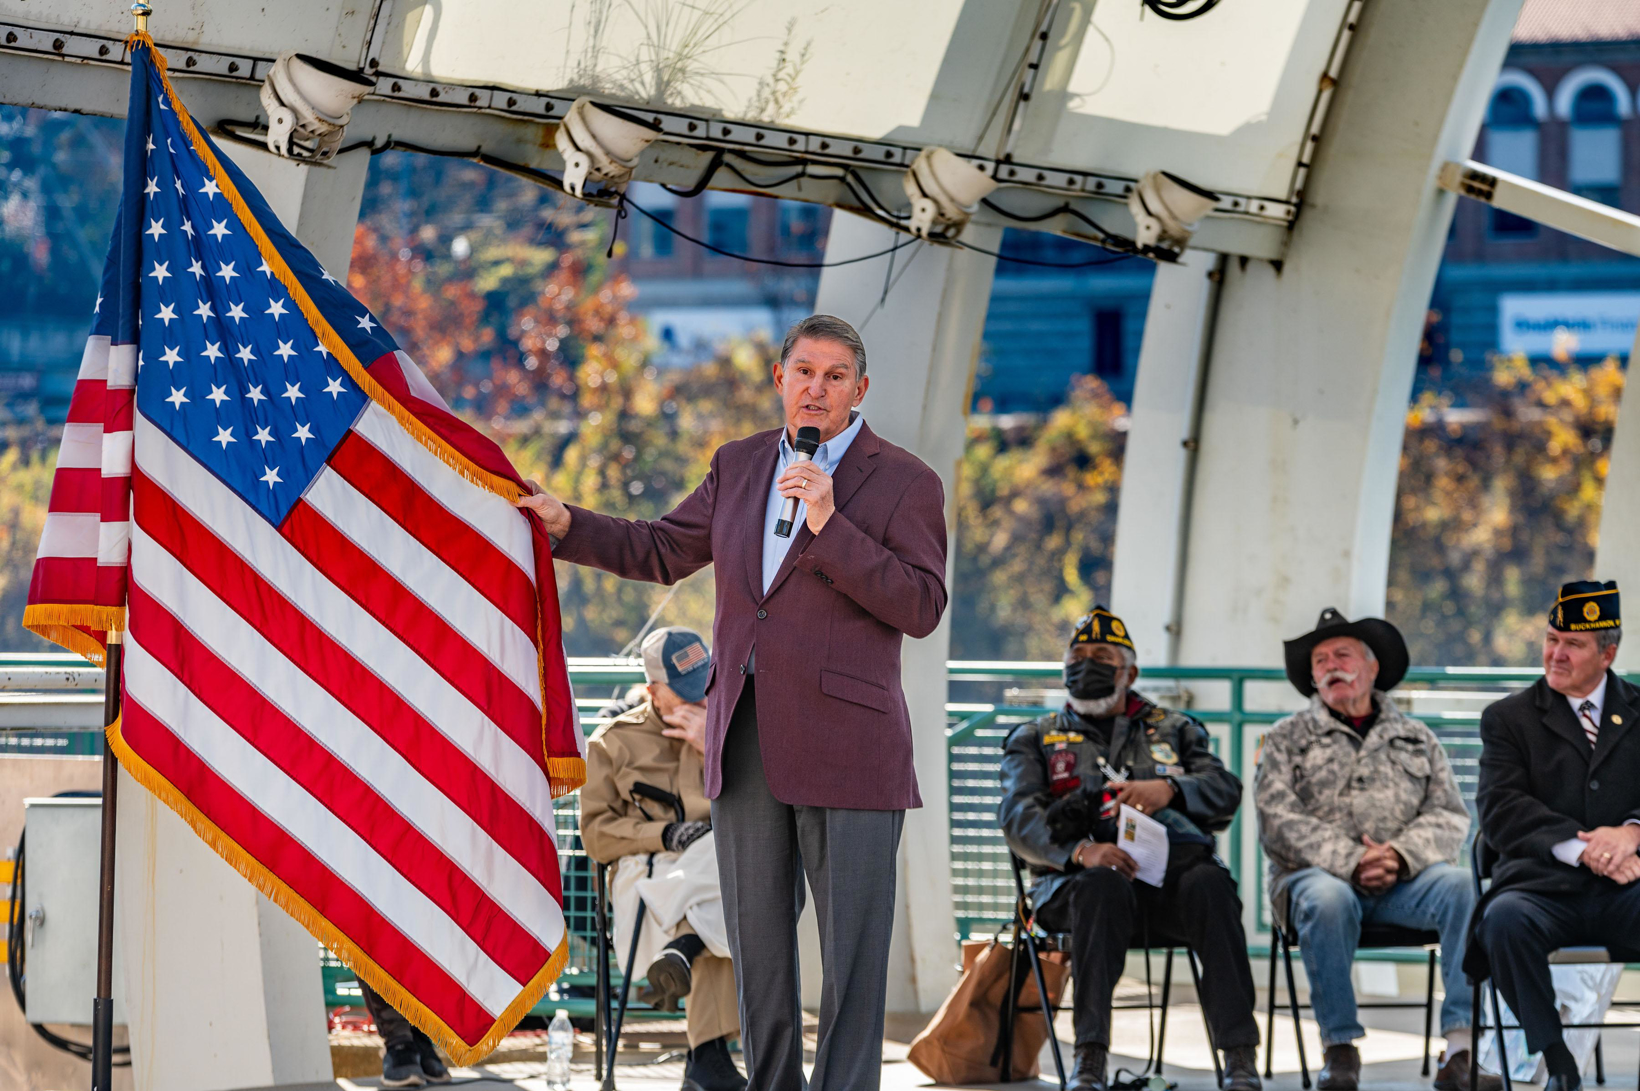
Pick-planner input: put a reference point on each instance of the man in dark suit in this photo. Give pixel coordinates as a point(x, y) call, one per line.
point(1560, 803)
point(808, 739)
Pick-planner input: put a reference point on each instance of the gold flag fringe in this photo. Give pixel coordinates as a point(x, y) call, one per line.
point(565, 774)
point(61, 624)
point(332, 937)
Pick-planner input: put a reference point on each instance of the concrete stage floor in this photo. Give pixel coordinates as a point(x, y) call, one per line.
point(1391, 1053)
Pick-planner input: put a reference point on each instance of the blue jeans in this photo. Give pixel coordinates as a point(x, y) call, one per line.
point(1327, 914)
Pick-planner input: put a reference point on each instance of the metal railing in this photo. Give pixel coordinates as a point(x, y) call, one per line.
point(986, 701)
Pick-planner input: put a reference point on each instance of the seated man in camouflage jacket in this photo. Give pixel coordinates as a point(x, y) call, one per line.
point(1362, 821)
point(1063, 778)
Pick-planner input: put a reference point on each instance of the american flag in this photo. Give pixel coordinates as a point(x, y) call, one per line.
point(343, 662)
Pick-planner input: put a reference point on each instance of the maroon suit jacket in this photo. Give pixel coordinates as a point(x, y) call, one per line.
point(831, 714)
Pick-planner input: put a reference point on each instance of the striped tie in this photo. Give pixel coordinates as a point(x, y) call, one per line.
point(1585, 713)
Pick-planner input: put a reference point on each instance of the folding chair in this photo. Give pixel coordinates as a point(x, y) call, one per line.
point(1025, 937)
point(607, 1027)
point(1374, 937)
point(1481, 859)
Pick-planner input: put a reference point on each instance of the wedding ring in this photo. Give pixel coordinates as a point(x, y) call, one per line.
point(1605, 856)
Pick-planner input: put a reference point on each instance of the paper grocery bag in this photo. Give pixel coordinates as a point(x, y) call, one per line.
point(961, 1044)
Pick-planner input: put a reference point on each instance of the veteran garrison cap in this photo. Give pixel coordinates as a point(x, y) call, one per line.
point(1100, 626)
point(1585, 605)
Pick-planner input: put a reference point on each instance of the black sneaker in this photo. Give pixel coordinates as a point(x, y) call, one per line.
point(401, 1067)
point(710, 1068)
point(432, 1065)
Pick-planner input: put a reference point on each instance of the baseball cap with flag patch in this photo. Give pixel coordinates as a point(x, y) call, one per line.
point(677, 657)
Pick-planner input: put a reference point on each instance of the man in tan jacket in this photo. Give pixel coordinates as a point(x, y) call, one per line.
point(644, 808)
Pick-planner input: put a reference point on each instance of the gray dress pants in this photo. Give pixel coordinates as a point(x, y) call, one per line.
point(765, 848)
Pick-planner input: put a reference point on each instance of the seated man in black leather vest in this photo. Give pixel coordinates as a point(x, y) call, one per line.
point(1064, 777)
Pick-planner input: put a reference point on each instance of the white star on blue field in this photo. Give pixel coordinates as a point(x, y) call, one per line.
point(229, 367)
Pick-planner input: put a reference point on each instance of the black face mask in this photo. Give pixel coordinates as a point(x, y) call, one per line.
point(1089, 679)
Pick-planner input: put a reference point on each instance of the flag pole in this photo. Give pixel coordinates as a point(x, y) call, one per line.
point(102, 1007)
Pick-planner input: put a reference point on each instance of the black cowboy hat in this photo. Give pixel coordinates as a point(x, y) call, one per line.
point(1383, 638)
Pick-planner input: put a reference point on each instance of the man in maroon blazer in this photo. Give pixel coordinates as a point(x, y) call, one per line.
point(808, 740)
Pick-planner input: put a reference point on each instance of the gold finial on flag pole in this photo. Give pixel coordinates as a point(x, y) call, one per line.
point(140, 12)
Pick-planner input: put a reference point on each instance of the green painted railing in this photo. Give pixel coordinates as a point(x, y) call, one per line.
point(987, 700)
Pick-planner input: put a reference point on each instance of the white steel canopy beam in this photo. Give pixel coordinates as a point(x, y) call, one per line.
point(1543, 204)
point(693, 149)
point(1311, 361)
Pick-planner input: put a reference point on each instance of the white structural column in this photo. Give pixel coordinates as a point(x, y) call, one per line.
point(1311, 362)
point(1618, 556)
point(1153, 519)
point(320, 205)
point(222, 986)
point(922, 341)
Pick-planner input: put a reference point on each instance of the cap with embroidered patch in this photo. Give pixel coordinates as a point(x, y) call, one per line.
point(1586, 605)
point(1100, 626)
point(679, 658)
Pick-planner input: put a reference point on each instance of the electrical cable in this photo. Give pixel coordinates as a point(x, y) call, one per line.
point(857, 187)
point(1174, 9)
point(686, 237)
point(704, 180)
point(1113, 259)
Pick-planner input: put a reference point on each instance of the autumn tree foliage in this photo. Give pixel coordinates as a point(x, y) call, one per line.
point(1498, 504)
point(1036, 519)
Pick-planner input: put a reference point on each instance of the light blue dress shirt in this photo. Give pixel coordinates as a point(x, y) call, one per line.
point(827, 457)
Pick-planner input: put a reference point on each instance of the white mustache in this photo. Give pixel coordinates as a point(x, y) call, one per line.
point(1335, 676)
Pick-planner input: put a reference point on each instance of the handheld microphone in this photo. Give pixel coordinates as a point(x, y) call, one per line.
point(808, 442)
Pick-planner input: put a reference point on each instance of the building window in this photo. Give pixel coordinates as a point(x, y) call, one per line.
point(1512, 146)
point(649, 239)
point(729, 221)
point(1107, 344)
point(800, 227)
point(1594, 153)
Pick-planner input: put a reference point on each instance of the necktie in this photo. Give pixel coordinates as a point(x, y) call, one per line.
point(1585, 714)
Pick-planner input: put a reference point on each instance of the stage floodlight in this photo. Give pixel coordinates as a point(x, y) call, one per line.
point(944, 190)
point(309, 102)
point(601, 144)
point(1166, 209)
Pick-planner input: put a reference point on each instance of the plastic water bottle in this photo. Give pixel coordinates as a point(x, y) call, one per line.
point(560, 1047)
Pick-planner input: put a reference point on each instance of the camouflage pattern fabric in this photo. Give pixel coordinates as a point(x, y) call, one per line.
point(1319, 787)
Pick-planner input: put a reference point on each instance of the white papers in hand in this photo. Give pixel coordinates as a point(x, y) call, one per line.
point(1144, 839)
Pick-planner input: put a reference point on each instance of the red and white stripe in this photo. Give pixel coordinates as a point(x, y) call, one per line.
point(354, 698)
point(87, 533)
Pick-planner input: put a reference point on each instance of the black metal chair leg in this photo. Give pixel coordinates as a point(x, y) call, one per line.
point(600, 1013)
point(1212, 1046)
point(626, 986)
point(1429, 1011)
point(1497, 1023)
point(1042, 994)
point(1005, 1061)
point(1477, 1020)
point(1599, 1061)
point(1292, 1002)
point(1270, 1015)
point(1167, 995)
